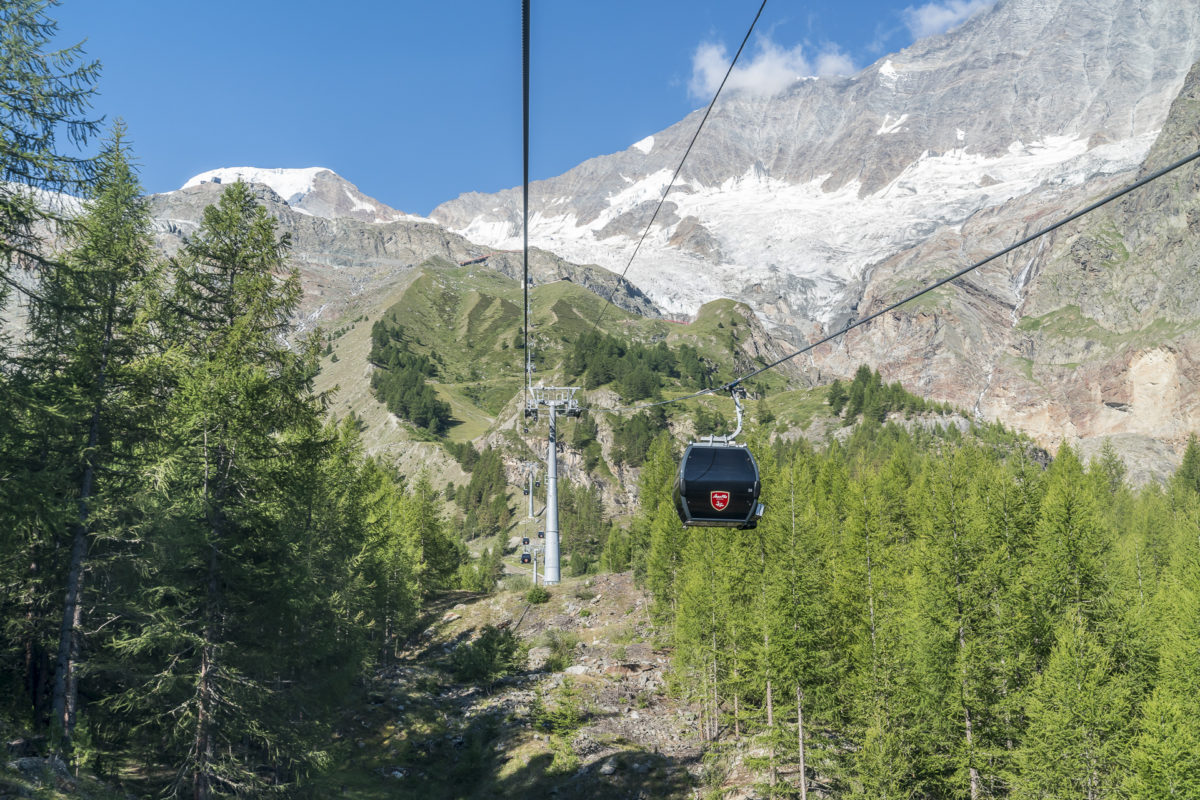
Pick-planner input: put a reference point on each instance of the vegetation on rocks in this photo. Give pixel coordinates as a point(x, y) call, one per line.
point(400, 377)
point(869, 398)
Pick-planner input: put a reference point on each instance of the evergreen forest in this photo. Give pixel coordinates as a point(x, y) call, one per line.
point(938, 615)
point(399, 380)
point(195, 562)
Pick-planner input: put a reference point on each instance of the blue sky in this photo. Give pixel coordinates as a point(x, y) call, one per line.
point(419, 102)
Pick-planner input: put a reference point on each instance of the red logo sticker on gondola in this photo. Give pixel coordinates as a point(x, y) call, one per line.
point(719, 500)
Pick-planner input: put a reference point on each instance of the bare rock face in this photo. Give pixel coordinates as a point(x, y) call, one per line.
point(341, 257)
point(797, 195)
point(691, 235)
point(313, 190)
point(1115, 304)
point(334, 197)
point(1091, 334)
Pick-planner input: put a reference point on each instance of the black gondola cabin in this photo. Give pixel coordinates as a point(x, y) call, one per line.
point(718, 487)
point(526, 558)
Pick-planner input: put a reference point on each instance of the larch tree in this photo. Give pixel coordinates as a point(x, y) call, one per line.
point(1067, 572)
point(1079, 721)
point(1187, 477)
point(44, 98)
point(654, 487)
point(91, 354)
point(387, 561)
point(222, 585)
point(1165, 758)
point(433, 553)
point(664, 560)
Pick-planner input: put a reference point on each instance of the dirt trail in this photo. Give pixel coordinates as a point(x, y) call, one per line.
point(587, 716)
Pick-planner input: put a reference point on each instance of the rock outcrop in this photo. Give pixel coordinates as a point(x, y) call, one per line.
point(340, 257)
point(799, 194)
point(1089, 334)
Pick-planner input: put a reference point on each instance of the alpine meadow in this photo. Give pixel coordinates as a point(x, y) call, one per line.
point(839, 493)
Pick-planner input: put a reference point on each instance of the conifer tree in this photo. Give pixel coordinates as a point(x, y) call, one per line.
point(1079, 721)
point(45, 96)
point(384, 555)
point(617, 553)
point(654, 488)
point(433, 554)
point(798, 653)
point(1187, 477)
point(1069, 559)
point(664, 560)
point(92, 366)
point(763, 412)
point(1165, 757)
point(1010, 495)
point(951, 624)
point(877, 539)
point(1111, 466)
point(222, 588)
point(700, 625)
point(837, 397)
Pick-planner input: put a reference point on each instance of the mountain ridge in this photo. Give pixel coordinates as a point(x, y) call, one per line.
point(962, 176)
point(917, 141)
point(342, 258)
point(317, 191)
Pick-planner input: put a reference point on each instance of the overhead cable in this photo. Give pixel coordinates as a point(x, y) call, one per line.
point(525, 187)
point(678, 169)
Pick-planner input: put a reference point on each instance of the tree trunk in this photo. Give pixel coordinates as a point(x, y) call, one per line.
point(968, 727)
point(62, 707)
point(717, 697)
point(972, 769)
point(66, 694)
point(800, 741)
point(38, 677)
point(771, 732)
point(871, 608)
point(737, 724)
point(202, 774)
point(73, 676)
point(960, 613)
point(770, 706)
point(201, 784)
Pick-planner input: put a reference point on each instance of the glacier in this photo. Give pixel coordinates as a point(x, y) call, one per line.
point(828, 238)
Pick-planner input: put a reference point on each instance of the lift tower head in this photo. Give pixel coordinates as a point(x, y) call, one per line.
point(557, 400)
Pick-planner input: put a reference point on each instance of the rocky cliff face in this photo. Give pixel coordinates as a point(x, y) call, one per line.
point(1091, 334)
point(341, 257)
point(841, 196)
point(787, 201)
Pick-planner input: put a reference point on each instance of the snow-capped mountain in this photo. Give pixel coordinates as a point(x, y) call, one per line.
point(317, 191)
point(787, 201)
point(343, 260)
point(837, 197)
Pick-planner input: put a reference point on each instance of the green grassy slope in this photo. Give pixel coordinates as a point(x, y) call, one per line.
point(468, 321)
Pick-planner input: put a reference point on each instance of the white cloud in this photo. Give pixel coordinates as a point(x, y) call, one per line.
point(835, 62)
point(771, 70)
point(934, 18)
